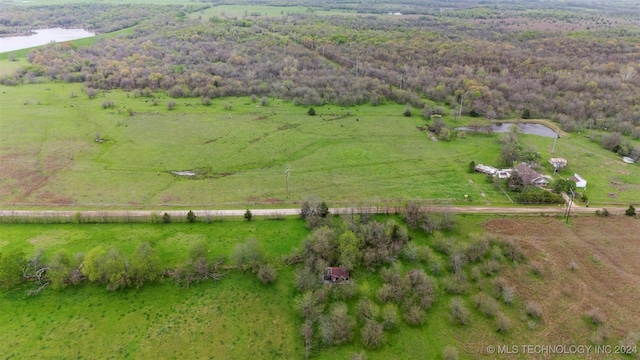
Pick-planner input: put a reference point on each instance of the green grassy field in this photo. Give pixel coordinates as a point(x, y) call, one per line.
point(235, 318)
point(239, 317)
point(241, 149)
point(342, 155)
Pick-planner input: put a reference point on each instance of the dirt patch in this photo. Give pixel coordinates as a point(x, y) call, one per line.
point(288, 126)
point(26, 173)
point(592, 263)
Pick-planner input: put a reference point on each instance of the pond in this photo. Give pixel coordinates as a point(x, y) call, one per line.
point(527, 128)
point(42, 37)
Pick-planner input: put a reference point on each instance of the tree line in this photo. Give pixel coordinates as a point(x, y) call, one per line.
point(116, 270)
point(587, 80)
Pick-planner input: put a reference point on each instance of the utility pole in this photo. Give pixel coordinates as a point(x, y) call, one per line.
point(573, 195)
point(555, 140)
point(287, 172)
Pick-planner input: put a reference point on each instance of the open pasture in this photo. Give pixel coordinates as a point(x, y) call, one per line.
point(65, 150)
point(571, 265)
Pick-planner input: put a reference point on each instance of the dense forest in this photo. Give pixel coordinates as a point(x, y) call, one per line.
point(561, 61)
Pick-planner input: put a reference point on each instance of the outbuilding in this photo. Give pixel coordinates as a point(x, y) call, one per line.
point(581, 183)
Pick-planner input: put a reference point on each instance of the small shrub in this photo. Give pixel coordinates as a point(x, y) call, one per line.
point(311, 112)
point(414, 315)
point(390, 318)
point(602, 213)
point(358, 356)
point(487, 305)
point(191, 217)
point(267, 274)
point(367, 310)
point(166, 218)
point(537, 268)
point(458, 311)
point(410, 252)
point(456, 285)
point(476, 274)
point(108, 104)
point(171, 105)
point(512, 251)
point(477, 249)
point(372, 334)
point(248, 215)
point(503, 323)
point(600, 335)
point(206, 101)
point(595, 316)
point(491, 267)
point(91, 93)
point(573, 266)
point(508, 295)
point(450, 353)
point(631, 211)
point(534, 310)
point(407, 110)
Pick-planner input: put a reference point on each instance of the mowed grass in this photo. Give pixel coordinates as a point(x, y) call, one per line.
point(609, 179)
point(240, 149)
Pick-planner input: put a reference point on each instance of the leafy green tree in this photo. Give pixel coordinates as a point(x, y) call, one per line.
point(12, 264)
point(60, 268)
point(116, 270)
point(565, 185)
point(93, 264)
point(349, 246)
point(191, 217)
point(145, 264)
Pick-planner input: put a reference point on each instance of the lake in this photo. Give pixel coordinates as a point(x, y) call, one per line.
point(527, 128)
point(42, 37)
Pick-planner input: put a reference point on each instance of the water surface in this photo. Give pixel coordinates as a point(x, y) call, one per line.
point(42, 37)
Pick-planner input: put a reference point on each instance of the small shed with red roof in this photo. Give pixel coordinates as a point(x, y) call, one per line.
point(336, 274)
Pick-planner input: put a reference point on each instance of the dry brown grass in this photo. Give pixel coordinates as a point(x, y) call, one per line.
point(606, 252)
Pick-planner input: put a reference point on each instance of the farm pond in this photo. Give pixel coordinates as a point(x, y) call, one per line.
point(527, 128)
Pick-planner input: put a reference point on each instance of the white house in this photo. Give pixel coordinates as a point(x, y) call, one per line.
point(581, 183)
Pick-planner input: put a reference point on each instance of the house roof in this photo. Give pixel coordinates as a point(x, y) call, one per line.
point(558, 162)
point(338, 272)
point(530, 176)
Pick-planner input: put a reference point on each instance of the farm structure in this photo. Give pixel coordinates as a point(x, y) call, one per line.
point(581, 183)
point(530, 176)
point(558, 163)
point(490, 170)
point(336, 275)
